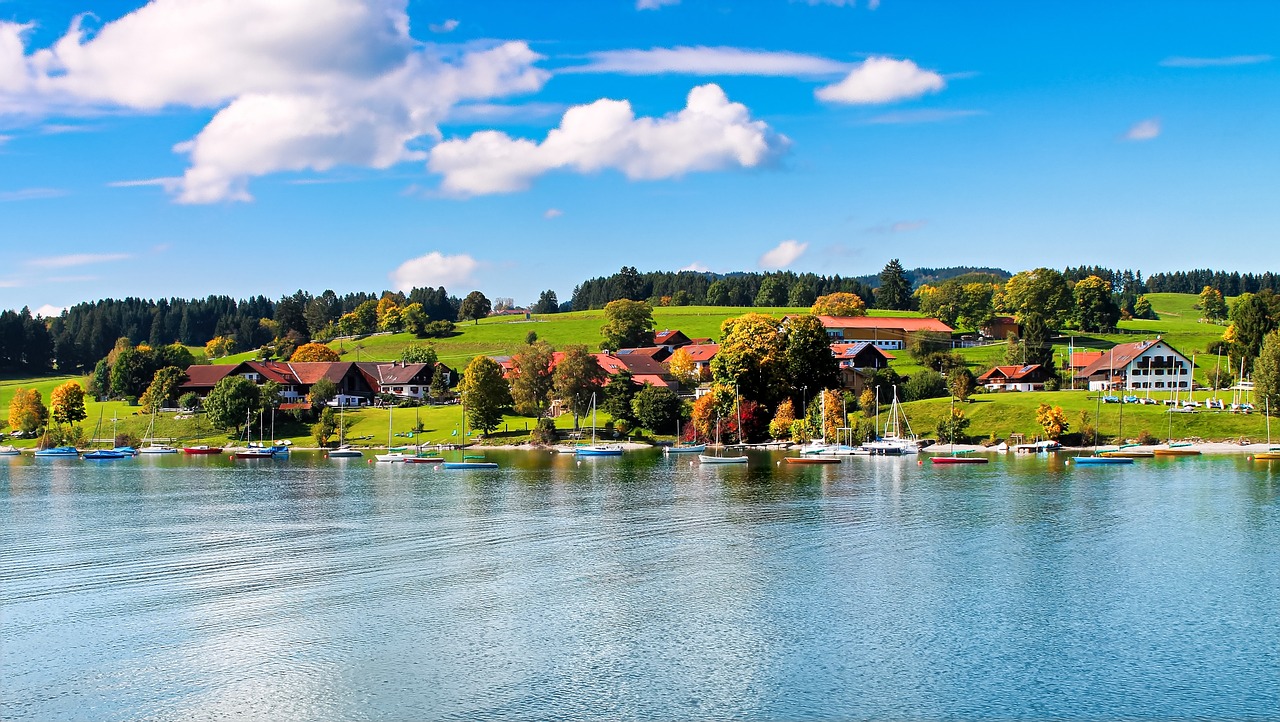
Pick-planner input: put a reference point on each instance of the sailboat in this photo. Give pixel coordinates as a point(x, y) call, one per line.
point(102, 454)
point(1272, 453)
point(720, 458)
point(1099, 459)
point(955, 458)
point(680, 448)
point(393, 455)
point(251, 451)
point(596, 449)
point(344, 450)
point(152, 447)
point(894, 443)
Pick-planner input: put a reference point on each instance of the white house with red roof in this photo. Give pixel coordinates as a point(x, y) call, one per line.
point(891, 333)
point(1138, 366)
point(1030, 377)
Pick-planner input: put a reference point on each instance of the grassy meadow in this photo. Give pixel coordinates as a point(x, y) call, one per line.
point(999, 414)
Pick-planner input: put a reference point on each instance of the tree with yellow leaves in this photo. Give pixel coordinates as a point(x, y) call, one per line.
point(67, 403)
point(27, 412)
point(1052, 419)
point(313, 352)
point(839, 304)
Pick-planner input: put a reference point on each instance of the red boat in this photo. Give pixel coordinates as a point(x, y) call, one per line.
point(959, 460)
point(197, 450)
point(812, 460)
point(424, 460)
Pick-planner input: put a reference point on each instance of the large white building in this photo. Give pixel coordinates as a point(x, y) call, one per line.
point(1138, 366)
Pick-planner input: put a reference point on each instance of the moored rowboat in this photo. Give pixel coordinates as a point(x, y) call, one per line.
point(812, 460)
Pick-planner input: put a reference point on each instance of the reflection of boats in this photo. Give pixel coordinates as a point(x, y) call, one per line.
point(812, 459)
point(464, 465)
point(1271, 454)
point(1105, 457)
point(595, 449)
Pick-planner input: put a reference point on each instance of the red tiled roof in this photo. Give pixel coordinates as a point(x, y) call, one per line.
point(669, 337)
point(1119, 356)
point(1081, 359)
point(295, 406)
point(649, 379)
point(892, 322)
point(310, 372)
point(1010, 373)
point(850, 351)
point(700, 341)
point(277, 371)
point(636, 364)
point(702, 352)
point(205, 376)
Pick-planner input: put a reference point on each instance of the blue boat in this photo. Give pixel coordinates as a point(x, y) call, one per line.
point(59, 452)
point(469, 465)
point(103, 455)
point(598, 450)
point(127, 450)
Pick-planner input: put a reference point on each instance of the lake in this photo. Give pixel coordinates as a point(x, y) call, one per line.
point(638, 587)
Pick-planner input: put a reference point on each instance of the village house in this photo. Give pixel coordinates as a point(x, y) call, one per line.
point(357, 383)
point(1001, 328)
point(403, 380)
point(701, 354)
point(890, 333)
point(670, 340)
point(857, 362)
point(1138, 366)
point(1031, 377)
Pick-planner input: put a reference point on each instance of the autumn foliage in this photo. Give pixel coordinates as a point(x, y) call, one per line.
point(308, 352)
point(26, 411)
point(839, 304)
point(67, 403)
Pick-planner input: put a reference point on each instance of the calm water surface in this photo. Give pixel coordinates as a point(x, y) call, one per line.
point(638, 587)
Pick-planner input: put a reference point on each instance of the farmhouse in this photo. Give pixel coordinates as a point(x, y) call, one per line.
point(857, 362)
point(357, 383)
point(1141, 365)
point(1031, 377)
point(890, 333)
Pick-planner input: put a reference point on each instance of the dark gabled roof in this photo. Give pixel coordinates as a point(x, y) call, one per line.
point(670, 337)
point(848, 353)
point(309, 372)
point(206, 376)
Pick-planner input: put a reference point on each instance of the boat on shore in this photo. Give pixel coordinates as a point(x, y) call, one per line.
point(8, 450)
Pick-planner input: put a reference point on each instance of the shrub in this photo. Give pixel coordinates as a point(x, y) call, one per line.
point(544, 432)
point(1146, 438)
point(925, 384)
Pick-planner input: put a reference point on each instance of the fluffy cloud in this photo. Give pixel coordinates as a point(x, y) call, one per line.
point(785, 254)
point(49, 311)
point(433, 270)
point(1148, 129)
point(703, 60)
point(882, 80)
point(696, 267)
point(447, 26)
point(317, 83)
point(710, 133)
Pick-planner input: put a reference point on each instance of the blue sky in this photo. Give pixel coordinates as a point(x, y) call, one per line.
point(182, 148)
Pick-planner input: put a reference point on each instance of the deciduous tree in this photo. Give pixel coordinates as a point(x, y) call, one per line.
point(324, 429)
point(1096, 308)
point(951, 429)
point(312, 352)
point(1212, 306)
point(630, 325)
point(66, 403)
point(485, 393)
point(531, 378)
point(1052, 420)
point(780, 426)
point(809, 361)
point(27, 411)
point(1043, 291)
point(163, 387)
point(474, 307)
point(220, 346)
point(321, 393)
point(752, 356)
point(839, 303)
point(1266, 373)
point(656, 408)
point(683, 368)
point(231, 402)
point(576, 378)
point(419, 353)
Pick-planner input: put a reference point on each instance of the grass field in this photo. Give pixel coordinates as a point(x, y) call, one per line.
point(999, 414)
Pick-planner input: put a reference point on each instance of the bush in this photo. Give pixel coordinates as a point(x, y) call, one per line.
point(1146, 438)
point(925, 384)
point(544, 432)
point(131, 400)
point(127, 439)
point(189, 401)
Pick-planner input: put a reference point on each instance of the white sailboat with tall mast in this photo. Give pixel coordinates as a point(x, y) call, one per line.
point(344, 450)
point(152, 447)
point(393, 455)
point(894, 442)
point(594, 448)
point(719, 457)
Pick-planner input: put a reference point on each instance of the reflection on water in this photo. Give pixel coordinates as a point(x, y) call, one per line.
point(640, 586)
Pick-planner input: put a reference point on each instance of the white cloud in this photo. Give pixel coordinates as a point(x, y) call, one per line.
point(654, 4)
point(1178, 61)
point(499, 112)
point(785, 254)
point(703, 60)
point(1148, 129)
point(447, 26)
point(696, 267)
point(882, 80)
point(553, 213)
point(30, 194)
point(49, 311)
point(317, 83)
point(169, 184)
point(76, 259)
point(710, 133)
point(433, 270)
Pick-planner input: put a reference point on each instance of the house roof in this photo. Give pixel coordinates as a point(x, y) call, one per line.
point(657, 353)
point(637, 364)
point(700, 341)
point(670, 337)
point(1081, 359)
point(1119, 356)
point(308, 373)
point(650, 379)
point(701, 352)
point(848, 352)
point(206, 376)
point(897, 323)
point(1011, 373)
